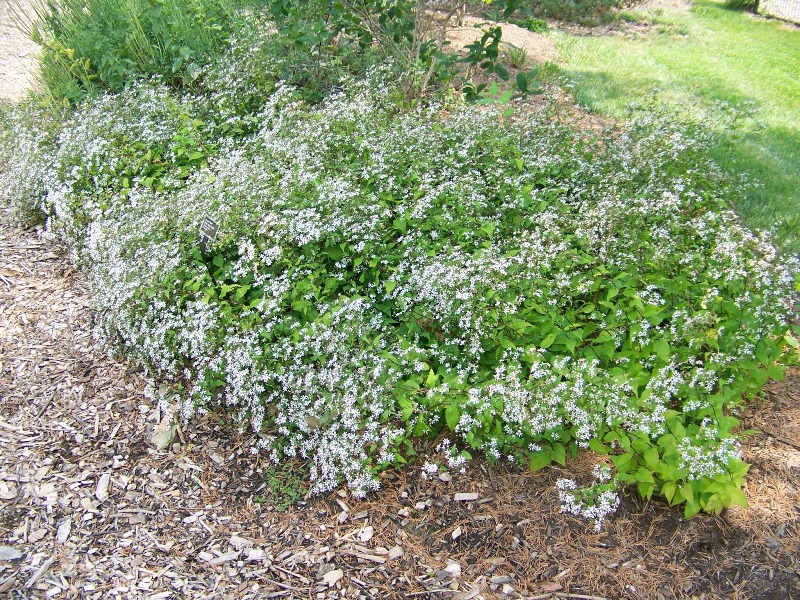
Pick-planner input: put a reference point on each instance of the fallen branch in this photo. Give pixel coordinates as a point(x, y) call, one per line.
point(780, 438)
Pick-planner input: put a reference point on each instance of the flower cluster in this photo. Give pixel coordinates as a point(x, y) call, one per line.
point(594, 503)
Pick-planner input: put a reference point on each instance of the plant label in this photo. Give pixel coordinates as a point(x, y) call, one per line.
point(208, 233)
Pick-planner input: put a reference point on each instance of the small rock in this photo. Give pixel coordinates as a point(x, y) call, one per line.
point(420, 506)
point(451, 570)
point(101, 493)
point(457, 533)
point(446, 477)
point(466, 497)
point(331, 577)
point(508, 590)
point(216, 458)
point(7, 491)
point(9, 553)
point(395, 553)
point(324, 569)
point(137, 519)
point(342, 517)
point(404, 512)
point(366, 534)
point(550, 586)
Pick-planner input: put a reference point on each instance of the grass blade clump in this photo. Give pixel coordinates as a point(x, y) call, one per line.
point(91, 46)
point(519, 288)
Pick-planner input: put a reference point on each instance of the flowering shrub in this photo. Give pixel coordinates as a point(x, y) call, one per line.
point(519, 287)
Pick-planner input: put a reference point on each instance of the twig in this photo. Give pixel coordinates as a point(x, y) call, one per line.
point(780, 438)
point(45, 406)
point(563, 595)
point(283, 585)
point(292, 573)
point(40, 572)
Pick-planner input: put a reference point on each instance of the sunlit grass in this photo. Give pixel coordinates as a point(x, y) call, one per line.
point(694, 58)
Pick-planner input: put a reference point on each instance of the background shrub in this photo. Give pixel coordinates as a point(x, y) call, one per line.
point(102, 45)
point(749, 5)
point(581, 12)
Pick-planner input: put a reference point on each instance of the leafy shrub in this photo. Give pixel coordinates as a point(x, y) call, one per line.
point(101, 45)
point(581, 12)
point(404, 33)
point(520, 288)
point(748, 5)
point(533, 24)
point(28, 135)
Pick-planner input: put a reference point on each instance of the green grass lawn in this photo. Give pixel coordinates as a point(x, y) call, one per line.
point(695, 58)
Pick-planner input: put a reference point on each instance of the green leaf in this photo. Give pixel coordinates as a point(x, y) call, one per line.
point(522, 83)
point(389, 285)
point(775, 372)
point(686, 492)
point(598, 447)
point(691, 509)
point(540, 460)
point(662, 349)
point(646, 489)
point(452, 415)
point(651, 458)
point(644, 476)
point(737, 497)
point(668, 490)
point(488, 229)
point(559, 454)
point(548, 340)
point(430, 381)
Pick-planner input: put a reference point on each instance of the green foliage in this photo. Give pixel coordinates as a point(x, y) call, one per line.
point(533, 24)
point(581, 12)
point(287, 485)
point(325, 33)
point(748, 5)
point(516, 56)
point(103, 45)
